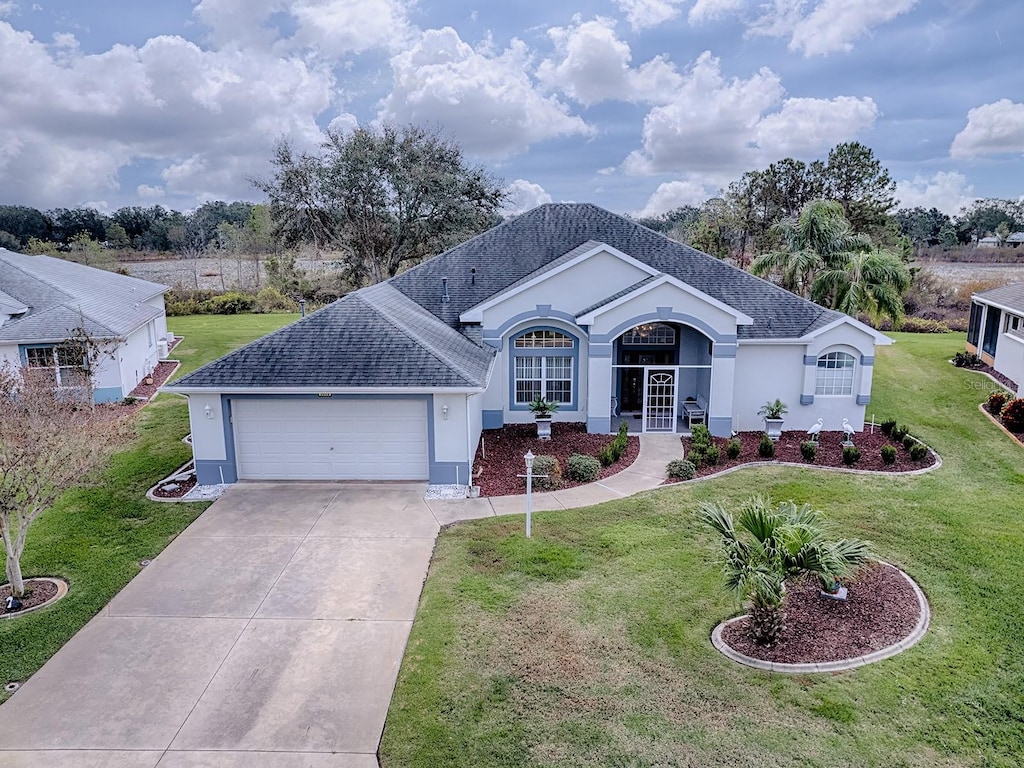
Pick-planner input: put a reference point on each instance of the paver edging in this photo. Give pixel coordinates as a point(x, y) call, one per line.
point(994, 420)
point(62, 590)
point(923, 622)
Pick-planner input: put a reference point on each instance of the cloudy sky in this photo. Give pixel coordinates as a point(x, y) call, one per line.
point(636, 105)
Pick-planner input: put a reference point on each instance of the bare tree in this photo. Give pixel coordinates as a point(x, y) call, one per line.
point(51, 436)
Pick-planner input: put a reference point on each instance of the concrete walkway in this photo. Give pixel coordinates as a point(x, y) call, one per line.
point(269, 633)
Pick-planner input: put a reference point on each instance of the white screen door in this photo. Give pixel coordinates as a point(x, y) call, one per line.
point(660, 401)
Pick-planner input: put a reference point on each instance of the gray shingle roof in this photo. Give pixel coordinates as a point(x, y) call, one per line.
point(511, 251)
point(375, 337)
point(1011, 296)
point(62, 296)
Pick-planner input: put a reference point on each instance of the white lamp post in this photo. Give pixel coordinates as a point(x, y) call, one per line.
point(529, 457)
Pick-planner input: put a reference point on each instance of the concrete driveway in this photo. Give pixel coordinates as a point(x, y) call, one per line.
point(269, 633)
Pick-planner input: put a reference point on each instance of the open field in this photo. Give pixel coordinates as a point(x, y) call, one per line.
point(589, 644)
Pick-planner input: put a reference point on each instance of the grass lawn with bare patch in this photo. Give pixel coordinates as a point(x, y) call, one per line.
point(589, 644)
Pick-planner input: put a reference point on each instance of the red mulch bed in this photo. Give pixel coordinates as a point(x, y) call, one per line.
point(181, 487)
point(881, 609)
point(504, 449)
point(830, 452)
point(37, 592)
point(161, 373)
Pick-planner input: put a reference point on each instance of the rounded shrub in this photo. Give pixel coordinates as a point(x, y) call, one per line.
point(909, 442)
point(898, 433)
point(766, 448)
point(996, 402)
point(549, 466)
point(582, 468)
point(700, 435)
point(712, 455)
point(733, 448)
point(918, 452)
point(681, 469)
point(888, 454)
point(851, 455)
point(888, 426)
point(1013, 415)
point(808, 449)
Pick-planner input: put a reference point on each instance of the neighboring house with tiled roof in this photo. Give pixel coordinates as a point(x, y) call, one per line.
point(996, 331)
point(44, 301)
point(567, 301)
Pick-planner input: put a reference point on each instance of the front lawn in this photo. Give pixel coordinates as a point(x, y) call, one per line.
point(589, 644)
point(95, 536)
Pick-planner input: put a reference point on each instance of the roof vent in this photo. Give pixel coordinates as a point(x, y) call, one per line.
point(472, 276)
point(445, 298)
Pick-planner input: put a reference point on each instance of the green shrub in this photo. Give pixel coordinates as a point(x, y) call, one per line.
point(733, 448)
point(712, 454)
point(851, 455)
point(888, 426)
point(581, 468)
point(700, 435)
point(808, 449)
point(616, 448)
point(270, 299)
point(232, 303)
point(996, 402)
point(918, 452)
point(1013, 415)
point(966, 360)
point(681, 469)
point(898, 433)
point(888, 454)
point(922, 325)
point(606, 456)
point(908, 442)
point(549, 466)
point(766, 448)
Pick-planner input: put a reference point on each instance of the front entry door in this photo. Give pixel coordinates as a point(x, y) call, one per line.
point(660, 400)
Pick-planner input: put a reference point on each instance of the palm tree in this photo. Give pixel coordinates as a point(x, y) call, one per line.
point(780, 543)
point(819, 238)
point(872, 282)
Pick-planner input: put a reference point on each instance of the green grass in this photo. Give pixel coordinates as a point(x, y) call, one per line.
point(589, 645)
point(95, 535)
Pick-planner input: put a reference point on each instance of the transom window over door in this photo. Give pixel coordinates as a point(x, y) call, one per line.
point(537, 372)
point(650, 333)
point(835, 374)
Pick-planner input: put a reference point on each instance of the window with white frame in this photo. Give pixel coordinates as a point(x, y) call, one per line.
point(63, 365)
point(539, 373)
point(835, 374)
point(650, 333)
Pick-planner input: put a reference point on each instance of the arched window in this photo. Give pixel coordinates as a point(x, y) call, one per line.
point(650, 333)
point(835, 374)
point(543, 365)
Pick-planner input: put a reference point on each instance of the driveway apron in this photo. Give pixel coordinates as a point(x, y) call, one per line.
point(270, 633)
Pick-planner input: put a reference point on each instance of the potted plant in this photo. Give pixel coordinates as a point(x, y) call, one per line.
point(542, 410)
point(773, 411)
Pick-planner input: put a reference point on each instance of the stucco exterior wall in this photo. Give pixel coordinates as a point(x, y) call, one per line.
point(1010, 359)
point(137, 356)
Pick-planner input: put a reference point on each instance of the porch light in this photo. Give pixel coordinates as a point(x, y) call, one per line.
point(208, 411)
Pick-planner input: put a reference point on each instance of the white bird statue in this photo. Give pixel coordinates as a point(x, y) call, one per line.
point(848, 430)
point(815, 429)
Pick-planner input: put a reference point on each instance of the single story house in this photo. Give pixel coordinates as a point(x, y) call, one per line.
point(567, 301)
point(996, 331)
point(44, 301)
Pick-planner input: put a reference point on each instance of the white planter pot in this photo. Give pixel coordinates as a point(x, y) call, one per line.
point(773, 428)
point(543, 427)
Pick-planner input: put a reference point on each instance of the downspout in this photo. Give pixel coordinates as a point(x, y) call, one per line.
point(470, 453)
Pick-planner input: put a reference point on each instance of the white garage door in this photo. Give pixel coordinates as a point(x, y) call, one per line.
point(331, 439)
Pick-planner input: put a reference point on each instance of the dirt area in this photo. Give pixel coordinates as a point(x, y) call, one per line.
point(37, 592)
point(215, 274)
point(961, 273)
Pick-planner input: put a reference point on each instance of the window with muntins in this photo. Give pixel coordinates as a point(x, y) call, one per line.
point(539, 373)
point(835, 374)
point(63, 366)
point(650, 333)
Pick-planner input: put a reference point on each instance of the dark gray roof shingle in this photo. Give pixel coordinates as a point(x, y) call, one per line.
point(1011, 296)
point(514, 250)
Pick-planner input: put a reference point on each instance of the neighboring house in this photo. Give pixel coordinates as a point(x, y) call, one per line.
point(996, 331)
point(1014, 240)
point(989, 242)
point(44, 300)
point(610, 319)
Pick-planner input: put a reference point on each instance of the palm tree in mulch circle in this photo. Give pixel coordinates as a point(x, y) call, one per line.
point(767, 545)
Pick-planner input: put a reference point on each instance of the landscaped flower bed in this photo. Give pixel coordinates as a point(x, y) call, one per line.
point(829, 452)
point(499, 459)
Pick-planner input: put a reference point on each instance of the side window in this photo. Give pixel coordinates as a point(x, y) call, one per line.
point(835, 374)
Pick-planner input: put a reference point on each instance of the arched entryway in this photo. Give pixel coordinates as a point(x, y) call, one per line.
point(662, 377)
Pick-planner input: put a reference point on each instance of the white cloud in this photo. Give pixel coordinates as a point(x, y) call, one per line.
point(719, 126)
point(675, 194)
point(649, 13)
point(8, 9)
point(830, 25)
point(150, 192)
point(522, 196)
point(593, 65)
point(992, 129)
point(70, 122)
point(488, 103)
point(947, 191)
point(712, 10)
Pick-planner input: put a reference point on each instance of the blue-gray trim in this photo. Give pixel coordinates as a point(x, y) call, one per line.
point(867, 360)
point(543, 310)
point(720, 426)
point(679, 317)
point(449, 473)
point(513, 353)
point(215, 471)
point(533, 314)
point(810, 360)
point(664, 313)
point(599, 349)
point(599, 425)
point(863, 399)
point(806, 399)
point(493, 419)
point(231, 462)
point(107, 394)
point(723, 351)
point(495, 343)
